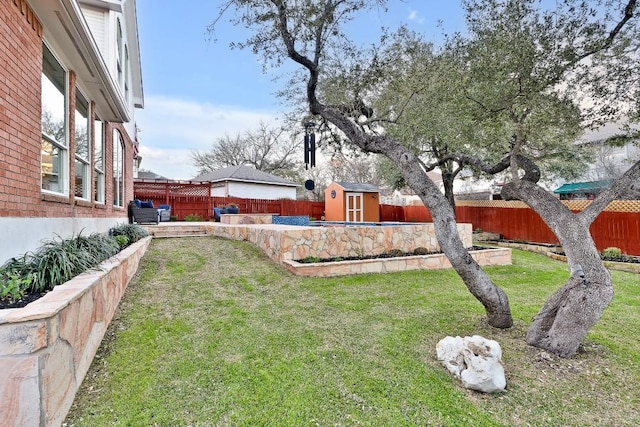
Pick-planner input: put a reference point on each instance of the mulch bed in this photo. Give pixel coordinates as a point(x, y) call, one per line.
point(379, 256)
point(26, 299)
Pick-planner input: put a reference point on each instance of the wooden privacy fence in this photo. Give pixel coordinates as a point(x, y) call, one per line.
point(618, 225)
point(191, 198)
point(194, 198)
point(283, 207)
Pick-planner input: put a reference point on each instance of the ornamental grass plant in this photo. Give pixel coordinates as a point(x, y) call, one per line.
point(59, 260)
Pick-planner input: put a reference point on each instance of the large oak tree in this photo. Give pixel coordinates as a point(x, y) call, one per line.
point(520, 62)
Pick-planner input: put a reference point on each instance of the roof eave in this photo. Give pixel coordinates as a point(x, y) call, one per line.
point(65, 25)
point(282, 184)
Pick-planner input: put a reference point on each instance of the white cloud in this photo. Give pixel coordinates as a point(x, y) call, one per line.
point(171, 128)
point(415, 16)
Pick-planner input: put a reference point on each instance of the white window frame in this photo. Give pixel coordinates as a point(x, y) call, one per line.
point(118, 165)
point(126, 73)
point(119, 51)
point(61, 146)
point(99, 142)
point(83, 162)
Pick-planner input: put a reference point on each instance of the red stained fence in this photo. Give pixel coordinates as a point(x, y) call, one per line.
point(618, 225)
point(194, 199)
point(615, 228)
point(184, 198)
point(282, 207)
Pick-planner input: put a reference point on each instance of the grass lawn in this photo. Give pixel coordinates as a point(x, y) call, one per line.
point(212, 333)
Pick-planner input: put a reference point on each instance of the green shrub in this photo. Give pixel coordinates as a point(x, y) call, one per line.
point(13, 286)
point(310, 259)
point(421, 250)
point(59, 260)
point(396, 252)
point(193, 218)
point(121, 240)
point(99, 246)
point(613, 253)
point(133, 232)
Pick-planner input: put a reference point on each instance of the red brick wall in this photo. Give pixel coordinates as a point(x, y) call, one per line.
point(20, 131)
point(20, 68)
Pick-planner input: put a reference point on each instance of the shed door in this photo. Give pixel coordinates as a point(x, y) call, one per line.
point(354, 207)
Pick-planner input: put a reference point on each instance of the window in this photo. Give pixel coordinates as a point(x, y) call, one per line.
point(54, 152)
point(118, 169)
point(83, 153)
point(126, 73)
point(98, 184)
point(119, 59)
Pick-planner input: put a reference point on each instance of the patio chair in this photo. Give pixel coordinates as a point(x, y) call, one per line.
point(217, 212)
point(164, 213)
point(142, 212)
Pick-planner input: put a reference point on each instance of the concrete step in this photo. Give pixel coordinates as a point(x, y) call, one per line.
point(167, 235)
point(176, 231)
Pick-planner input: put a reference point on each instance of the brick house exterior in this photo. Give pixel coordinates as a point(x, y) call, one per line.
point(70, 168)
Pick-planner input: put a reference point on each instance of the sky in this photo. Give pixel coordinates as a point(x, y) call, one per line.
point(197, 90)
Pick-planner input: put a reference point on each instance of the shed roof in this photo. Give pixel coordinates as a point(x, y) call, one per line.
point(356, 186)
point(242, 173)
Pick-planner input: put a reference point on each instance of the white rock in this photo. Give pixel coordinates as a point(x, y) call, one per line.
point(475, 360)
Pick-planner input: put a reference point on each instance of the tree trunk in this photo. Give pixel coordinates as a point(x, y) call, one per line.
point(447, 182)
point(569, 314)
point(494, 299)
point(564, 320)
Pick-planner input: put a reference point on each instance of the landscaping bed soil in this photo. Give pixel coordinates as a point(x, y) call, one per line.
point(395, 254)
point(26, 299)
point(623, 258)
point(626, 263)
point(554, 249)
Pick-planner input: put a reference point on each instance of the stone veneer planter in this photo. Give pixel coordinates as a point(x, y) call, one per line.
point(289, 242)
point(486, 257)
point(47, 347)
point(286, 243)
point(611, 265)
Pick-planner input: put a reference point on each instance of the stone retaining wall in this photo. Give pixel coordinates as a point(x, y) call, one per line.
point(487, 257)
point(246, 218)
point(47, 347)
point(283, 243)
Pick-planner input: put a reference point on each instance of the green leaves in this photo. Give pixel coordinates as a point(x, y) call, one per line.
point(59, 260)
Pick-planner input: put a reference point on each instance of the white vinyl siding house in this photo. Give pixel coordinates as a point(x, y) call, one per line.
point(248, 183)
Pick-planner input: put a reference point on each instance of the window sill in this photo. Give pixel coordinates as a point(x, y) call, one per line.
point(56, 198)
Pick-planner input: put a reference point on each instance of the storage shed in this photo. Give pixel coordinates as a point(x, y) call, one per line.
point(352, 202)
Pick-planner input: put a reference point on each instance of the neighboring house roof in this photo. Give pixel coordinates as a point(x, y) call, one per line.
point(151, 175)
point(355, 186)
point(243, 173)
point(583, 187)
point(605, 132)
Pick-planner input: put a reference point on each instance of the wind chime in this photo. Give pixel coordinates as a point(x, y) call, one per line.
point(309, 145)
point(309, 151)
